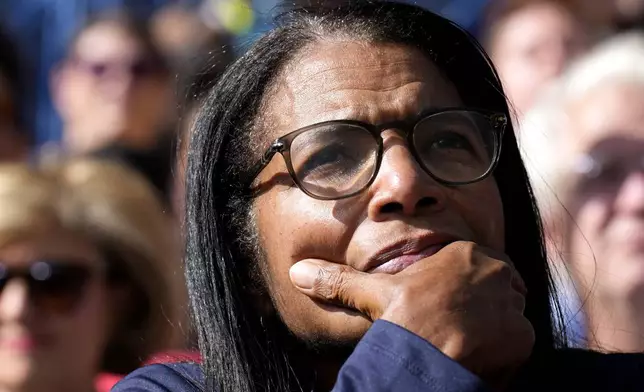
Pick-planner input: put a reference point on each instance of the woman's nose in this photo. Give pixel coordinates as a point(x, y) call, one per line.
point(402, 187)
point(630, 197)
point(118, 85)
point(14, 300)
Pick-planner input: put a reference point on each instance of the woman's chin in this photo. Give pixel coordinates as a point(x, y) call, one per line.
point(335, 326)
point(18, 370)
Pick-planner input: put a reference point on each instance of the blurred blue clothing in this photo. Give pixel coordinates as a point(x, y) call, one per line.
point(390, 358)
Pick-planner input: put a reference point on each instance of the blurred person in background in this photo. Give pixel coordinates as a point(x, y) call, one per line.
point(584, 147)
point(114, 92)
point(179, 32)
point(629, 14)
point(114, 87)
point(531, 42)
point(89, 275)
point(14, 142)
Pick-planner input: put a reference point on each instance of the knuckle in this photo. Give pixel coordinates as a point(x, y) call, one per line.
point(404, 295)
point(466, 247)
point(331, 282)
point(503, 270)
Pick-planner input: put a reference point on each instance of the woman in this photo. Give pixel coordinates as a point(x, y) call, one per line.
point(371, 255)
point(532, 41)
point(113, 92)
point(113, 87)
point(89, 279)
point(583, 145)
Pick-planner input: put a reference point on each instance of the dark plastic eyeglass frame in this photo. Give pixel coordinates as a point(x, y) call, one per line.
point(282, 145)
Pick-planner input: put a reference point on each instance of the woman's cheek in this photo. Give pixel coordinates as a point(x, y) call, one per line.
point(482, 209)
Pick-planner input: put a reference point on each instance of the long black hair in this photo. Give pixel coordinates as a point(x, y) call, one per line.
point(240, 352)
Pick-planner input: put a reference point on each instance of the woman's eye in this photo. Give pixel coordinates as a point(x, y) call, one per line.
point(452, 141)
point(323, 159)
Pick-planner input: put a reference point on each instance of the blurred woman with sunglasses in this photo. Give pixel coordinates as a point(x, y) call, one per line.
point(584, 144)
point(359, 219)
point(113, 86)
point(89, 279)
point(114, 93)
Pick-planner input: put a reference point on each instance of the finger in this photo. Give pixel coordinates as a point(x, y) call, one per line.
point(516, 280)
point(341, 284)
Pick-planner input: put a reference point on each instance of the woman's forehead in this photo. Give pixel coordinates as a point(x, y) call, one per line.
point(107, 40)
point(371, 82)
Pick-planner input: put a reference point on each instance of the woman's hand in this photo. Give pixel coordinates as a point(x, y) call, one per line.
point(466, 301)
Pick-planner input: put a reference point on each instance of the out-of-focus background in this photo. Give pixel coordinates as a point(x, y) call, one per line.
point(95, 94)
point(44, 29)
point(520, 36)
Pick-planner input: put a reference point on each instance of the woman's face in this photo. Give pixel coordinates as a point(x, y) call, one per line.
point(608, 247)
point(52, 333)
point(373, 83)
point(531, 47)
point(110, 90)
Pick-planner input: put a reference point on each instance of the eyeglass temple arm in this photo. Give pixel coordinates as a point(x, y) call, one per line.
point(276, 146)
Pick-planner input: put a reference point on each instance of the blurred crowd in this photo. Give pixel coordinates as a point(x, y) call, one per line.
point(91, 281)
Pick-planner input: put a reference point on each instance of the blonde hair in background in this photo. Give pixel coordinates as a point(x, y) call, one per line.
point(120, 212)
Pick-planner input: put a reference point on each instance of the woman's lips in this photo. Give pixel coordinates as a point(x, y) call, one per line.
point(25, 343)
point(22, 344)
point(399, 263)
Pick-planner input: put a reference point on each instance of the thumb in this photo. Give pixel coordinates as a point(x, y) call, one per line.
point(342, 285)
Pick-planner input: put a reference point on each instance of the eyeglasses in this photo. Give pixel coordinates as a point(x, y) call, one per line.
point(338, 159)
point(53, 287)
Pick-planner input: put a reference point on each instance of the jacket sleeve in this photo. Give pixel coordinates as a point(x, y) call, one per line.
point(163, 378)
point(391, 358)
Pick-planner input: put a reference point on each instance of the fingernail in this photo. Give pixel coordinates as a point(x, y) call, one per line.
point(303, 274)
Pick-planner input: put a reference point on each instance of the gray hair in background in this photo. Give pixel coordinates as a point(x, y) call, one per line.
point(552, 159)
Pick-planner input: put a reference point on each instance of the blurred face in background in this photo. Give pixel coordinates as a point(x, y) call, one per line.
point(55, 308)
point(629, 9)
point(111, 90)
point(608, 204)
point(531, 46)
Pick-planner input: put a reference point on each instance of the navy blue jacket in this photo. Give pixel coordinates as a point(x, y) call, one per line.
point(390, 358)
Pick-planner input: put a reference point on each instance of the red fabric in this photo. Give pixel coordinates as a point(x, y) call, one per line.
point(105, 381)
point(175, 356)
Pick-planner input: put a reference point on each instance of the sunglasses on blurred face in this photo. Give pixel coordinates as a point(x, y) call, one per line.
point(53, 287)
point(102, 70)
